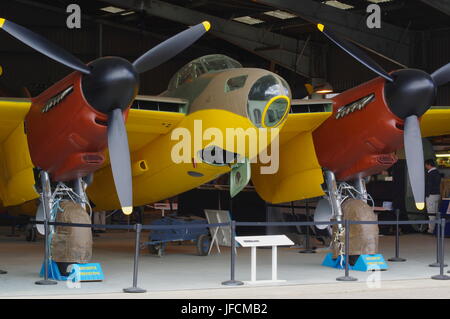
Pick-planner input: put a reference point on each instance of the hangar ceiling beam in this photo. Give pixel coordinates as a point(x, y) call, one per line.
point(441, 5)
point(390, 42)
point(89, 18)
point(296, 55)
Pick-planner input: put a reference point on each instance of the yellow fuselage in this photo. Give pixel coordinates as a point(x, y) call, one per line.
point(163, 178)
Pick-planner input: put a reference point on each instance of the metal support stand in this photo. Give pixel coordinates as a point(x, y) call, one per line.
point(397, 257)
point(307, 249)
point(46, 205)
point(232, 281)
point(347, 277)
point(135, 288)
point(441, 275)
point(438, 248)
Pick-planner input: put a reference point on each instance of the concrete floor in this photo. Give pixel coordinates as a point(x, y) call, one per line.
point(181, 273)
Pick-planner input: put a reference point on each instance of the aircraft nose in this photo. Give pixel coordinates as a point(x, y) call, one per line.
point(268, 101)
point(113, 83)
point(411, 93)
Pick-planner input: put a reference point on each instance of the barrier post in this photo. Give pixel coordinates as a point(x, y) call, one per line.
point(438, 245)
point(397, 258)
point(135, 288)
point(307, 249)
point(347, 277)
point(232, 281)
point(441, 275)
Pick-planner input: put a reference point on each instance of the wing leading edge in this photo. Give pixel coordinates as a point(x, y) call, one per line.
point(16, 168)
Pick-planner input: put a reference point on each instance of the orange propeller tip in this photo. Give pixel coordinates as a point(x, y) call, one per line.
point(321, 27)
point(127, 210)
point(207, 25)
point(2, 22)
point(420, 206)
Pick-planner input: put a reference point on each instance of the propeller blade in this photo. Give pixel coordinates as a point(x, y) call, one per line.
point(43, 46)
point(169, 48)
point(356, 53)
point(119, 155)
point(414, 159)
point(442, 75)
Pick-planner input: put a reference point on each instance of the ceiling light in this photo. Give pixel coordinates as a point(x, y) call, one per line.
point(248, 20)
point(127, 13)
point(112, 9)
point(324, 88)
point(338, 4)
point(443, 155)
point(283, 15)
point(379, 1)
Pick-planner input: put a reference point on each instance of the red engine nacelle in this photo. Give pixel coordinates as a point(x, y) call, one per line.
point(66, 136)
point(360, 137)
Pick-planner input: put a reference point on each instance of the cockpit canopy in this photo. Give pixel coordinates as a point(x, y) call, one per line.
point(200, 66)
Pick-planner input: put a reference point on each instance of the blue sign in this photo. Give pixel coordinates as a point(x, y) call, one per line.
point(364, 262)
point(77, 273)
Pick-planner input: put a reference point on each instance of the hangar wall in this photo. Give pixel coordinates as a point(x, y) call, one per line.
point(438, 55)
point(430, 51)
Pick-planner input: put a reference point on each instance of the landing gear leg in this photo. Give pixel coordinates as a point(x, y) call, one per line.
point(334, 196)
point(360, 185)
point(335, 200)
point(80, 189)
point(46, 203)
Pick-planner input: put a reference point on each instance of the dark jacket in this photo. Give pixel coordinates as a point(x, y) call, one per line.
point(432, 183)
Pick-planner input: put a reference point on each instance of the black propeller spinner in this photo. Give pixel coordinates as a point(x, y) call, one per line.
point(110, 84)
point(409, 94)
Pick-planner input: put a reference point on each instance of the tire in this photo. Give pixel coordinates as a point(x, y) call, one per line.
point(157, 250)
point(152, 250)
point(203, 243)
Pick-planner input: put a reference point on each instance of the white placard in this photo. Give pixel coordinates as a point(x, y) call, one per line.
point(260, 241)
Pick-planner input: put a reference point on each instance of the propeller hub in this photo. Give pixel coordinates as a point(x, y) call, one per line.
point(113, 83)
point(411, 93)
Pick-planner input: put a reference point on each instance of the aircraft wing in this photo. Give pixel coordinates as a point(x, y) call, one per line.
point(152, 116)
point(299, 174)
point(436, 121)
point(16, 168)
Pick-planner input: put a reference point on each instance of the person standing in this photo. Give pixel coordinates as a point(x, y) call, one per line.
point(432, 191)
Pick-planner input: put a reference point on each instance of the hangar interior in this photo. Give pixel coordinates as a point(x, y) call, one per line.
point(274, 35)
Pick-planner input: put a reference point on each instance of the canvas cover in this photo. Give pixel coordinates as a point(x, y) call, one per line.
point(363, 238)
point(72, 244)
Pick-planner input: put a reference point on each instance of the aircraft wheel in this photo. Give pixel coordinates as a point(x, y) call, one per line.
point(203, 243)
point(152, 249)
point(156, 250)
